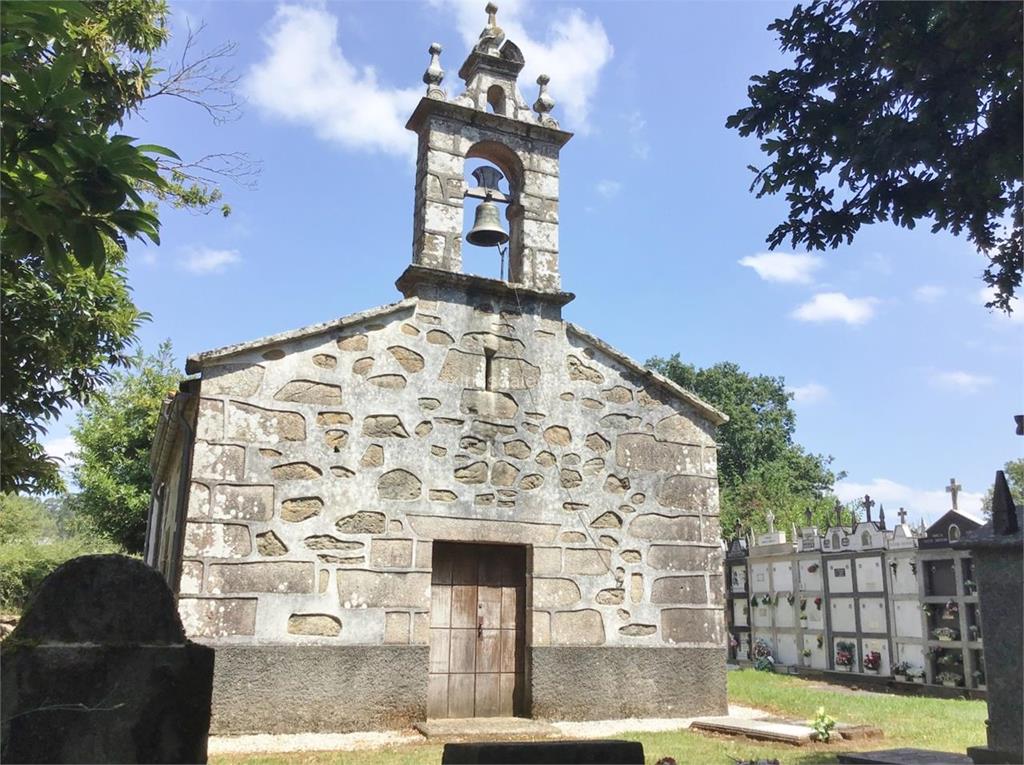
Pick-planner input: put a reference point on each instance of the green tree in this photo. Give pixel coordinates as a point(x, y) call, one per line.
point(74, 191)
point(114, 434)
point(1014, 470)
point(897, 111)
point(35, 538)
point(760, 467)
point(61, 336)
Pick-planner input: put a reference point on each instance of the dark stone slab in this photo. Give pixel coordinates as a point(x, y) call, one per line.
point(629, 752)
point(98, 670)
point(106, 704)
point(107, 599)
point(985, 755)
point(610, 683)
point(996, 549)
point(904, 757)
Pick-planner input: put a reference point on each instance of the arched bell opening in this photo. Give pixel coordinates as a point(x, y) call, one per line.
point(496, 100)
point(492, 226)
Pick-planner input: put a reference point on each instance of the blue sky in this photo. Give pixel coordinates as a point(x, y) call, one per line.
point(898, 369)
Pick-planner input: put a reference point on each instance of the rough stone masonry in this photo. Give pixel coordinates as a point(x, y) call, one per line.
point(302, 479)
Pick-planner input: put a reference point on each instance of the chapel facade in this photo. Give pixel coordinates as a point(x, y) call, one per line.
point(456, 505)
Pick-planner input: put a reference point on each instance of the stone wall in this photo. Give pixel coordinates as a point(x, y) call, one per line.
point(325, 465)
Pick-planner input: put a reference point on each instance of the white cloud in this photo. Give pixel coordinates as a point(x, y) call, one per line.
point(930, 503)
point(783, 267)
point(958, 380)
point(811, 393)
point(206, 260)
point(608, 188)
point(573, 51)
point(305, 78)
point(835, 306)
point(929, 293)
point(61, 448)
point(987, 294)
point(638, 144)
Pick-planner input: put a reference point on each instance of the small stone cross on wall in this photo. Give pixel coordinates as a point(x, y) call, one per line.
point(953, 490)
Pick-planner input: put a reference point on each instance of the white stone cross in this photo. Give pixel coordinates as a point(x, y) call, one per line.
point(953, 489)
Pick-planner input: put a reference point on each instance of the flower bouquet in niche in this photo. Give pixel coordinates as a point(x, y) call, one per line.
point(945, 634)
point(950, 679)
point(844, 655)
point(901, 670)
point(762, 655)
point(872, 662)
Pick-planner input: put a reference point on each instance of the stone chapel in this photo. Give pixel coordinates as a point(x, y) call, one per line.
point(457, 505)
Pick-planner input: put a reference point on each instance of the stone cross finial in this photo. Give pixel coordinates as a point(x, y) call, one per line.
point(492, 13)
point(544, 103)
point(867, 503)
point(434, 74)
point(953, 490)
point(770, 518)
point(839, 513)
point(903, 516)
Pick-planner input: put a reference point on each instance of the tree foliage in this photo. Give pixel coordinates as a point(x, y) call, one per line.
point(61, 336)
point(73, 191)
point(760, 467)
point(1014, 470)
point(897, 111)
point(114, 434)
point(35, 538)
point(73, 71)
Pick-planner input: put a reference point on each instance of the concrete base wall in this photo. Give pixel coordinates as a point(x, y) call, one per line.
point(317, 688)
point(603, 683)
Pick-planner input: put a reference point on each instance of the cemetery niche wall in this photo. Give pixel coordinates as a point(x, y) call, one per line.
point(456, 505)
point(862, 599)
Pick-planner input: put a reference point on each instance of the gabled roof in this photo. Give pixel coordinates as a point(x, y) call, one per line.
point(713, 413)
point(966, 521)
point(197, 361)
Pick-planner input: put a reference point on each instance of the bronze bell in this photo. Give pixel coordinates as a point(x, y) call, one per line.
point(487, 230)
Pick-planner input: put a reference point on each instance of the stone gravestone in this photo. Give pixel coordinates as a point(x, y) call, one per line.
point(99, 670)
point(996, 550)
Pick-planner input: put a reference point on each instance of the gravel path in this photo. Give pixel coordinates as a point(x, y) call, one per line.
point(350, 742)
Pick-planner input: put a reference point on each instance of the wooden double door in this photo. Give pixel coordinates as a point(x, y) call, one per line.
point(477, 630)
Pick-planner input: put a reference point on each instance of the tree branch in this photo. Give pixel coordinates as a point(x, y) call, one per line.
point(206, 80)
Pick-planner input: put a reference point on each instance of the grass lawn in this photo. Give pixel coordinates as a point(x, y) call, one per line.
point(908, 721)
